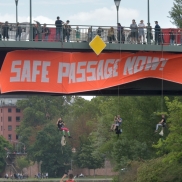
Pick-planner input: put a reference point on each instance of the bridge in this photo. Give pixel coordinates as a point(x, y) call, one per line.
point(143, 86)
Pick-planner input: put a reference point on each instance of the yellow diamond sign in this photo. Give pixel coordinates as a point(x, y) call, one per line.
point(97, 45)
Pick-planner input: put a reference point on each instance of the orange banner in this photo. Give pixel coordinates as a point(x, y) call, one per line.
point(61, 72)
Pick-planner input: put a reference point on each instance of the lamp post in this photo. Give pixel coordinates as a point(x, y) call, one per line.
point(73, 151)
point(148, 27)
point(31, 29)
point(16, 2)
point(117, 3)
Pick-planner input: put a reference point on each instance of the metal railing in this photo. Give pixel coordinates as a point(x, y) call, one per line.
point(86, 33)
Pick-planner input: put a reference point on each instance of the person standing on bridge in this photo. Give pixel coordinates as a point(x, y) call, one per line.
point(18, 31)
point(157, 33)
point(59, 29)
point(46, 32)
point(67, 31)
point(134, 30)
point(5, 29)
point(39, 30)
point(111, 36)
point(141, 32)
point(0, 31)
point(120, 33)
point(172, 37)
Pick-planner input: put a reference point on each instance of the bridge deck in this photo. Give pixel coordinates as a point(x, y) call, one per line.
point(84, 46)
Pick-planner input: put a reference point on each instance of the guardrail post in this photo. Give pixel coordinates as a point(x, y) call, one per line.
point(91, 33)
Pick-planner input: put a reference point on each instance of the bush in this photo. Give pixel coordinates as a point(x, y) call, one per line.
point(159, 171)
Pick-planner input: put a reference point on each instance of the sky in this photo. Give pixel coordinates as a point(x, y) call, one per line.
point(88, 12)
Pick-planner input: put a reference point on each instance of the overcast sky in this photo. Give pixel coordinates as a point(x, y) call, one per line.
point(88, 12)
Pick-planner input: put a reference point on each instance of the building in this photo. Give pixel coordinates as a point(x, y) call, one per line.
point(10, 116)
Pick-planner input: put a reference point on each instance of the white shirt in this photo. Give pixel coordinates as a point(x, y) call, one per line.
point(141, 26)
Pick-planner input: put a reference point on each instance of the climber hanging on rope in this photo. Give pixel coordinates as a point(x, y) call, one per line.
point(161, 123)
point(61, 127)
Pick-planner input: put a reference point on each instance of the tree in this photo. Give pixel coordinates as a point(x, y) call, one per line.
point(172, 145)
point(47, 149)
point(176, 13)
point(125, 151)
point(5, 147)
point(87, 157)
point(37, 112)
point(22, 162)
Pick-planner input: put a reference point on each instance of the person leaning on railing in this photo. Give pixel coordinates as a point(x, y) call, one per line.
point(34, 31)
point(46, 32)
point(180, 31)
point(99, 31)
point(59, 29)
point(119, 33)
point(0, 31)
point(66, 31)
point(39, 30)
point(149, 29)
point(18, 31)
point(157, 33)
point(5, 29)
point(89, 34)
point(172, 37)
point(77, 30)
point(134, 30)
point(111, 36)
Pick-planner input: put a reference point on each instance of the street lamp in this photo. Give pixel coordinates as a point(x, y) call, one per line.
point(117, 3)
point(16, 2)
point(31, 28)
point(73, 151)
point(148, 27)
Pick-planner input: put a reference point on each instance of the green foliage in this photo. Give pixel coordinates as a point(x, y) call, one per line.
point(5, 147)
point(172, 145)
point(157, 170)
point(37, 112)
point(125, 151)
point(22, 162)
point(87, 157)
point(48, 150)
point(176, 13)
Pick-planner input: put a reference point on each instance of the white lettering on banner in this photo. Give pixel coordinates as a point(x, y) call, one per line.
point(97, 70)
point(140, 63)
point(45, 71)
point(100, 72)
point(26, 72)
point(15, 70)
point(23, 71)
point(72, 73)
point(91, 70)
point(35, 71)
point(115, 73)
point(107, 69)
point(81, 71)
point(61, 72)
point(129, 66)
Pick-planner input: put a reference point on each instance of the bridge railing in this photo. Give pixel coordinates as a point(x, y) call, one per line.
point(85, 33)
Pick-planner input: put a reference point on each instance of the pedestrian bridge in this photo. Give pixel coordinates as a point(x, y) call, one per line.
point(144, 86)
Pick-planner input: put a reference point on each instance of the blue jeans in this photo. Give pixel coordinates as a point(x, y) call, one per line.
point(59, 33)
point(157, 126)
point(46, 38)
point(171, 42)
